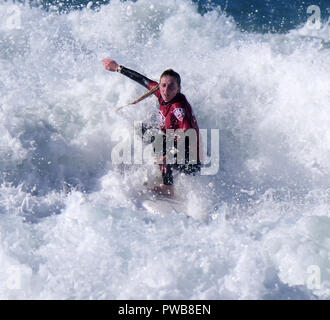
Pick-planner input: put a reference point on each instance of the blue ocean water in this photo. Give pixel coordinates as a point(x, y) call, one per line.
point(71, 225)
point(251, 15)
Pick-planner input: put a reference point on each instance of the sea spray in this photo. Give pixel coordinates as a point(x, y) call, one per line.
point(70, 227)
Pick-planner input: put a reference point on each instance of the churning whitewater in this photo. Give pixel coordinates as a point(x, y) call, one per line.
point(70, 226)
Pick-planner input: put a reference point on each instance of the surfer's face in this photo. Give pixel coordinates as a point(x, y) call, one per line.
point(169, 88)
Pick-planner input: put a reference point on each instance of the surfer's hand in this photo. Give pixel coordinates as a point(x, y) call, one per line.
point(110, 65)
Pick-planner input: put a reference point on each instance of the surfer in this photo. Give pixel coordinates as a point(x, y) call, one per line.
point(175, 113)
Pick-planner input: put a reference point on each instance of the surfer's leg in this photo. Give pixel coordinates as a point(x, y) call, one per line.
point(168, 176)
point(167, 187)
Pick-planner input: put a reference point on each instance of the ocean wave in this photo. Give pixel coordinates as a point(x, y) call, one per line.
point(69, 224)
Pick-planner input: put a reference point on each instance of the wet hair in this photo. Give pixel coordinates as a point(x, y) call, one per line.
point(166, 73)
point(171, 73)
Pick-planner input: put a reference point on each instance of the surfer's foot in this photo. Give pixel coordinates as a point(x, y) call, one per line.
point(164, 190)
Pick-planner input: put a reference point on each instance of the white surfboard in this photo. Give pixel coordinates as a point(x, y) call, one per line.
point(164, 206)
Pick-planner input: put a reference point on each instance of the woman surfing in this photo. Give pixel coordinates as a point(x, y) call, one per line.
point(175, 113)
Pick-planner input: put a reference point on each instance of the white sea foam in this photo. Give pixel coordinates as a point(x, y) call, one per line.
point(70, 225)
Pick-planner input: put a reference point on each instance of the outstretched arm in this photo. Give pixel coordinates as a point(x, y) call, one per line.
point(112, 65)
